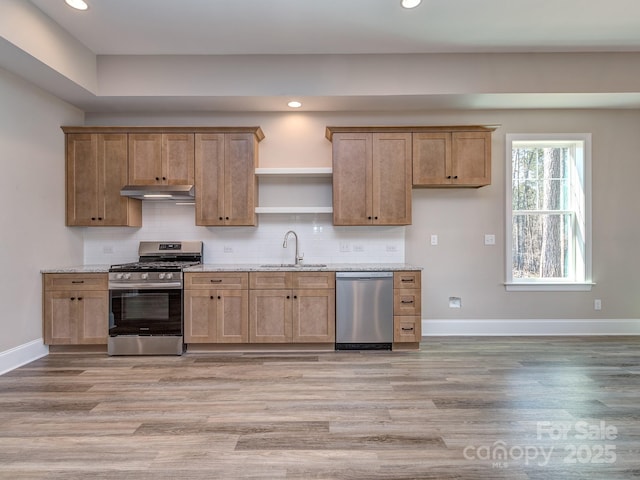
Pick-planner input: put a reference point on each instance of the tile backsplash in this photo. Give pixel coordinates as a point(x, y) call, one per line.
point(319, 240)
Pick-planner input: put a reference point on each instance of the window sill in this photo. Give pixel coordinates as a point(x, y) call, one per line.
point(549, 287)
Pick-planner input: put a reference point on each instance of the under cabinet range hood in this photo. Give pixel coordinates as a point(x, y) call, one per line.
point(159, 192)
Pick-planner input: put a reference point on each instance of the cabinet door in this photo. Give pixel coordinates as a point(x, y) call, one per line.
point(60, 318)
point(471, 158)
point(314, 316)
point(233, 316)
point(209, 181)
point(92, 317)
point(431, 159)
point(82, 179)
point(200, 316)
point(177, 158)
point(115, 209)
point(145, 158)
point(352, 178)
point(391, 178)
point(270, 316)
point(240, 180)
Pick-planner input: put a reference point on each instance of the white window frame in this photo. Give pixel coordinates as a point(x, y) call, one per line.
point(579, 284)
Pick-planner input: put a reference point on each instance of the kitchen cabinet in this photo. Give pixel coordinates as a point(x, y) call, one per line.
point(226, 184)
point(407, 308)
point(216, 308)
point(452, 159)
point(371, 177)
point(96, 170)
point(75, 308)
point(161, 158)
point(292, 307)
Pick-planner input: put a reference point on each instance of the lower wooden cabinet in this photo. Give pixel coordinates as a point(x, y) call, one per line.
point(216, 308)
point(407, 307)
point(292, 307)
point(75, 308)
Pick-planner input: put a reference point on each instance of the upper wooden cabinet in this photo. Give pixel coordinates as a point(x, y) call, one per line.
point(452, 158)
point(96, 170)
point(161, 158)
point(226, 184)
point(371, 177)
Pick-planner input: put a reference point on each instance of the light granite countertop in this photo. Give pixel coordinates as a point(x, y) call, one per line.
point(331, 267)
point(78, 269)
point(256, 267)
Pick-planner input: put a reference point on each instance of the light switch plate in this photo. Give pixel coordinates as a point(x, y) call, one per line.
point(434, 240)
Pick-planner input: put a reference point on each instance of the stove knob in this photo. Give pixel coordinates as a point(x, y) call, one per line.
point(161, 276)
point(127, 276)
point(169, 276)
point(119, 276)
point(144, 276)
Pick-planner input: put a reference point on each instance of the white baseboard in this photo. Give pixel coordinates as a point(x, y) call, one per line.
point(530, 327)
point(21, 355)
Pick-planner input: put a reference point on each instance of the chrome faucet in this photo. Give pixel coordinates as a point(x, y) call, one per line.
point(284, 245)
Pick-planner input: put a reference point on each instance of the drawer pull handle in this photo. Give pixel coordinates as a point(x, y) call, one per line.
point(407, 301)
point(407, 280)
point(216, 280)
point(77, 281)
point(407, 329)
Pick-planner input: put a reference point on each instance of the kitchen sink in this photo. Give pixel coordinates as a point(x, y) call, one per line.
point(291, 265)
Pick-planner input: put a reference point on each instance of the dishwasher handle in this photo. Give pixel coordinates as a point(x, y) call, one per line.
point(363, 275)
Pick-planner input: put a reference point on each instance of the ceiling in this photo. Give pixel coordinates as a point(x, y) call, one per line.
point(221, 27)
point(114, 30)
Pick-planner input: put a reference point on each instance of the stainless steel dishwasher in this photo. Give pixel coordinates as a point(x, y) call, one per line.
point(364, 310)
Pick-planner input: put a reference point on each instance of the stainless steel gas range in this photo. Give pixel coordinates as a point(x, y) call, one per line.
point(146, 299)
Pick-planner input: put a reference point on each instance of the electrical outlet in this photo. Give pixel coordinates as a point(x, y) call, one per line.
point(345, 247)
point(597, 304)
point(108, 249)
point(455, 302)
point(228, 249)
point(392, 248)
point(358, 248)
point(489, 239)
point(434, 240)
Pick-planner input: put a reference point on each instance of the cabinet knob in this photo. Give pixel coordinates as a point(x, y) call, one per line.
point(226, 218)
point(157, 179)
point(211, 297)
point(164, 178)
point(375, 218)
point(73, 298)
point(455, 176)
point(295, 297)
point(220, 218)
point(93, 218)
point(79, 298)
point(99, 218)
point(219, 297)
point(449, 176)
point(288, 297)
point(368, 218)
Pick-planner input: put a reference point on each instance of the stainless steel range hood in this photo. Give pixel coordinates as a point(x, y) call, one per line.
point(159, 192)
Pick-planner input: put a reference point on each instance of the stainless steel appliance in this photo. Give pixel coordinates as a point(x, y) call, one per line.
point(146, 299)
point(364, 310)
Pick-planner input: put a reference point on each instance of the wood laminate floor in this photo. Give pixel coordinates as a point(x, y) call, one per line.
point(460, 408)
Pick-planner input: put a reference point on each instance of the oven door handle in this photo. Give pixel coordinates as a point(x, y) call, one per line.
point(146, 286)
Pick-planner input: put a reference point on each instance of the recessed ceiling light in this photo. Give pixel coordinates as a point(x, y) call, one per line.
point(410, 3)
point(77, 4)
point(294, 104)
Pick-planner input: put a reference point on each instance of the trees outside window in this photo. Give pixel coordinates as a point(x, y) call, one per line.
point(548, 199)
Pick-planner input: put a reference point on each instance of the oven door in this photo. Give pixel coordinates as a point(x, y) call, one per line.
point(145, 311)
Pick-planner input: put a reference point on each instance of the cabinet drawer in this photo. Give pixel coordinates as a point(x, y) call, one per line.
point(407, 328)
point(406, 302)
point(314, 280)
point(231, 280)
point(76, 281)
point(267, 280)
point(406, 280)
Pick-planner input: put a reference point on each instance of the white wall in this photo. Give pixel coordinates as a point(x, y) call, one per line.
point(31, 204)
